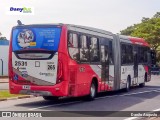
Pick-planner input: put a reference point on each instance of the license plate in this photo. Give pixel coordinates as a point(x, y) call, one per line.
point(26, 87)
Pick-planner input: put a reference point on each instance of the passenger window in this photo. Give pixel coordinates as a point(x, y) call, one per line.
point(141, 55)
point(123, 54)
point(104, 54)
point(129, 56)
point(73, 46)
point(110, 53)
point(84, 51)
point(73, 40)
point(94, 52)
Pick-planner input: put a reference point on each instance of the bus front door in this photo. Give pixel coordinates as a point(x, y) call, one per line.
point(104, 67)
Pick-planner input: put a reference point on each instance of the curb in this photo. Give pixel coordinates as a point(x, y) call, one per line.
point(20, 97)
point(4, 82)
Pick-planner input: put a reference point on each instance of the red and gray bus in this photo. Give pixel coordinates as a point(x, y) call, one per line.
point(56, 60)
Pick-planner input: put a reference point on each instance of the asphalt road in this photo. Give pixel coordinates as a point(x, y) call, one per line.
point(138, 99)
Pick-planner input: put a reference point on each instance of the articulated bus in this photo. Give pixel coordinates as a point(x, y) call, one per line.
point(64, 60)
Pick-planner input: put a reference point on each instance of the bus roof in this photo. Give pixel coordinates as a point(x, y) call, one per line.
point(69, 25)
point(37, 25)
point(133, 40)
point(91, 30)
point(77, 28)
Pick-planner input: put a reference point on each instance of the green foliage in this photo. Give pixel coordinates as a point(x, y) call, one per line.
point(157, 15)
point(5, 94)
point(128, 30)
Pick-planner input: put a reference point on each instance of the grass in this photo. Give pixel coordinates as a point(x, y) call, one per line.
point(5, 94)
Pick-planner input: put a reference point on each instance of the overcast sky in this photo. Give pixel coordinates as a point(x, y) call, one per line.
point(110, 15)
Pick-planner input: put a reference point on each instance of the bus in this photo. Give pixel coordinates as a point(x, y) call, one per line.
point(64, 60)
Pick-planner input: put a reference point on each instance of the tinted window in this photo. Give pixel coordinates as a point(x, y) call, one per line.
point(142, 53)
point(129, 56)
point(73, 46)
point(73, 40)
point(104, 54)
point(123, 54)
point(110, 53)
point(84, 51)
point(94, 50)
point(126, 54)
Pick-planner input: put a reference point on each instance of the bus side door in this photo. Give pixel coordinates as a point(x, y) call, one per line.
point(105, 66)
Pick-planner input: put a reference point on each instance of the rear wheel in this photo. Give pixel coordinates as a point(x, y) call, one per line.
point(141, 84)
point(93, 91)
point(50, 98)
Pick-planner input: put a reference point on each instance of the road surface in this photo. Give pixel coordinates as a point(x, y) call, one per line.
point(138, 99)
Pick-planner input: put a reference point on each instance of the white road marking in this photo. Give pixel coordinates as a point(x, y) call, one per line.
point(132, 118)
point(54, 105)
point(157, 109)
point(157, 90)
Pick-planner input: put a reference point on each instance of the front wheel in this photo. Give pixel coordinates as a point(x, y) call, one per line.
point(50, 98)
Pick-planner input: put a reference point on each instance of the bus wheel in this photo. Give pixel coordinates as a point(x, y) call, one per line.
point(128, 85)
point(93, 91)
point(51, 98)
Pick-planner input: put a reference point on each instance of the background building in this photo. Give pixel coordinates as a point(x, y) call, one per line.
point(4, 48)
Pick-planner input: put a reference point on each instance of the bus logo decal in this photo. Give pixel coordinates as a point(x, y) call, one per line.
point(82, 69)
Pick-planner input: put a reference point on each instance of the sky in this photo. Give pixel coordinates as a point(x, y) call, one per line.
point(110, 15)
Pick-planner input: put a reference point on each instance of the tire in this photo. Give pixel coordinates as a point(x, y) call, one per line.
point(142, 84)
point(93, 91)
point(128, 85)
point(50, 98)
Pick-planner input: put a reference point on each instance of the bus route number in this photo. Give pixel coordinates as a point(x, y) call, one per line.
point(51, 67)
point(20, 63)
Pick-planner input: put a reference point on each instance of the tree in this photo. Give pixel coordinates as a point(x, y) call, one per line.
point(157, 15)
point(1, 37)
point(128, 30)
